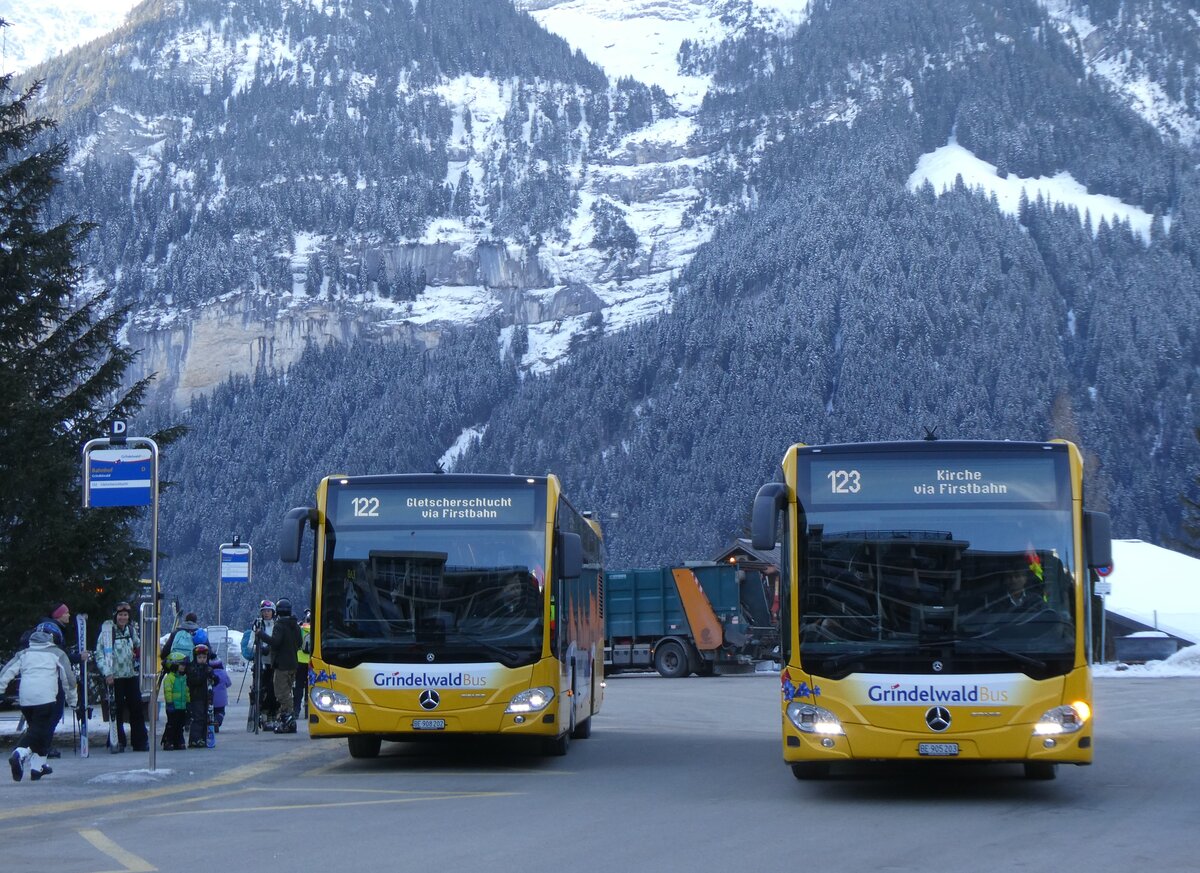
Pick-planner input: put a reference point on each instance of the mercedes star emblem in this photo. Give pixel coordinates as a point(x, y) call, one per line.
point(937, 666)
point(429, 699)
point(429, 657)
point(937, 717)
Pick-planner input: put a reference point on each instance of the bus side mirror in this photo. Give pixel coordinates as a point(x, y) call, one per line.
point(1097, 539)
point(570, 555)
point(292, 532)
point(768, 503)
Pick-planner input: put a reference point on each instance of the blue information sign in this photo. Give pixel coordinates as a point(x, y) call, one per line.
point(120, 477)
point(235, 564)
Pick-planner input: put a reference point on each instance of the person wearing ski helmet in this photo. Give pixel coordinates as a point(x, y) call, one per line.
point(118, 652)
point(199, 680)
point(285, 641)
point(175, 695)
point(260, 635)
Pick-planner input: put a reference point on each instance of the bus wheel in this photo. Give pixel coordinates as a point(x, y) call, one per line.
point(811, 770)
point(583, 730)
point(364, 746)
point(671, 660)
point(557, 747)
point(1040, 770)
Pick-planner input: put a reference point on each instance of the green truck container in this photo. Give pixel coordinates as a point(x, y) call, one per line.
point(698, 618)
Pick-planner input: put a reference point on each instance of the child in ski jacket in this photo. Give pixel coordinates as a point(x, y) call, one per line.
point(199, 680)
point(220, 691)
point(45, 673)
point(175, 694)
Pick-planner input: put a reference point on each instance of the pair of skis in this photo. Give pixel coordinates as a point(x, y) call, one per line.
point(252, 720)
point(210, 738)
point(81, 643)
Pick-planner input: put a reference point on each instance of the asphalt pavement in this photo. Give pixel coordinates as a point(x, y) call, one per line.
point(103, 775)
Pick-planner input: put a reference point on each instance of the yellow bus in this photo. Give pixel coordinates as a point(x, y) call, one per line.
point(936, 602)
point(451, 604)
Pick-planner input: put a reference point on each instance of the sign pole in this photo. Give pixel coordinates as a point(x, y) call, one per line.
point(105, 462)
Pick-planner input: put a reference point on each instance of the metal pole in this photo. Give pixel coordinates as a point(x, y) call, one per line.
point(148, 616)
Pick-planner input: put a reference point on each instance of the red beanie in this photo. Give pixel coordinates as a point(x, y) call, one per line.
point(60, 610)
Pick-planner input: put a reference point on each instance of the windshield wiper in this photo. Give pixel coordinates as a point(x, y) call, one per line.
point(507, 657)
point(923, 645)
point(1028, 660)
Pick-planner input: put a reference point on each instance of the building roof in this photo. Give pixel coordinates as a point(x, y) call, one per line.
point(1155, 587)
point(741, 550)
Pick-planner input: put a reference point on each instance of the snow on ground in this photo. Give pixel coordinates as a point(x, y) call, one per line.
point(1184, 663)
point(131, 777)
point(941, 167)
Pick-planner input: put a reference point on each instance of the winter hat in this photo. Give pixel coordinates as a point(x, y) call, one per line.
point(191, 616)
point(60, 611)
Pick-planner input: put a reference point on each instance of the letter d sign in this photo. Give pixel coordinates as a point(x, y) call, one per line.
point(117, 432)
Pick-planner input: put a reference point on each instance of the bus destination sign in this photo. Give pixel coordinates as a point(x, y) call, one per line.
point(852, 481)
point(416, 506)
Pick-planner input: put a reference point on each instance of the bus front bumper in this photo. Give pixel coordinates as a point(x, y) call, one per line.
point(1009, 743)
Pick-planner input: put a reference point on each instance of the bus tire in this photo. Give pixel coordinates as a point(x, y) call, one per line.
point(671, 661)
point(1042, 770)
point(811, 770)
point(583, 730)
point(556, 747)
point(364, 745)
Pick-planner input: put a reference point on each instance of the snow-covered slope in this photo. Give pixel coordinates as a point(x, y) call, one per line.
point(40, 29)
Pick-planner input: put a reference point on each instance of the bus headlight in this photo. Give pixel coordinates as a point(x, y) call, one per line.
point(328, 700)
point(814, 719)
point(1062, 719)
point(531, 700)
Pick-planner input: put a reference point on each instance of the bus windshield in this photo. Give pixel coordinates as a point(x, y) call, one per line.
point(433, 574)
point(961, 585)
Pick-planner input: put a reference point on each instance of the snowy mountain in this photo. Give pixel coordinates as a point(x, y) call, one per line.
point(645, 244)
point(624, 201)
point(614, 168)
point(42, 29)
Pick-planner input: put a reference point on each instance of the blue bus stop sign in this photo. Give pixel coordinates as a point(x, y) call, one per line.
point(120, 477)
point(235, 564)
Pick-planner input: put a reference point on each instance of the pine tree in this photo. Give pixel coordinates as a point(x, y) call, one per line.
point(63, 371)
point(1191, 519)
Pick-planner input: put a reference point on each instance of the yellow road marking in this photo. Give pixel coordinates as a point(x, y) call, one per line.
point(445, 774)
point(229, 777)
point(130, 863)
point(291, 807)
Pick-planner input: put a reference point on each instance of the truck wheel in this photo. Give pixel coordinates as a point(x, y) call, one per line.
point(364, 746)
point(671, 660)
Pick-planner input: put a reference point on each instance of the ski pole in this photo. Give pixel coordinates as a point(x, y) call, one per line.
point(242, 686)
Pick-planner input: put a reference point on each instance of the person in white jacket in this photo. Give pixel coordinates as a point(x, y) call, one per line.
point(44, 669)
